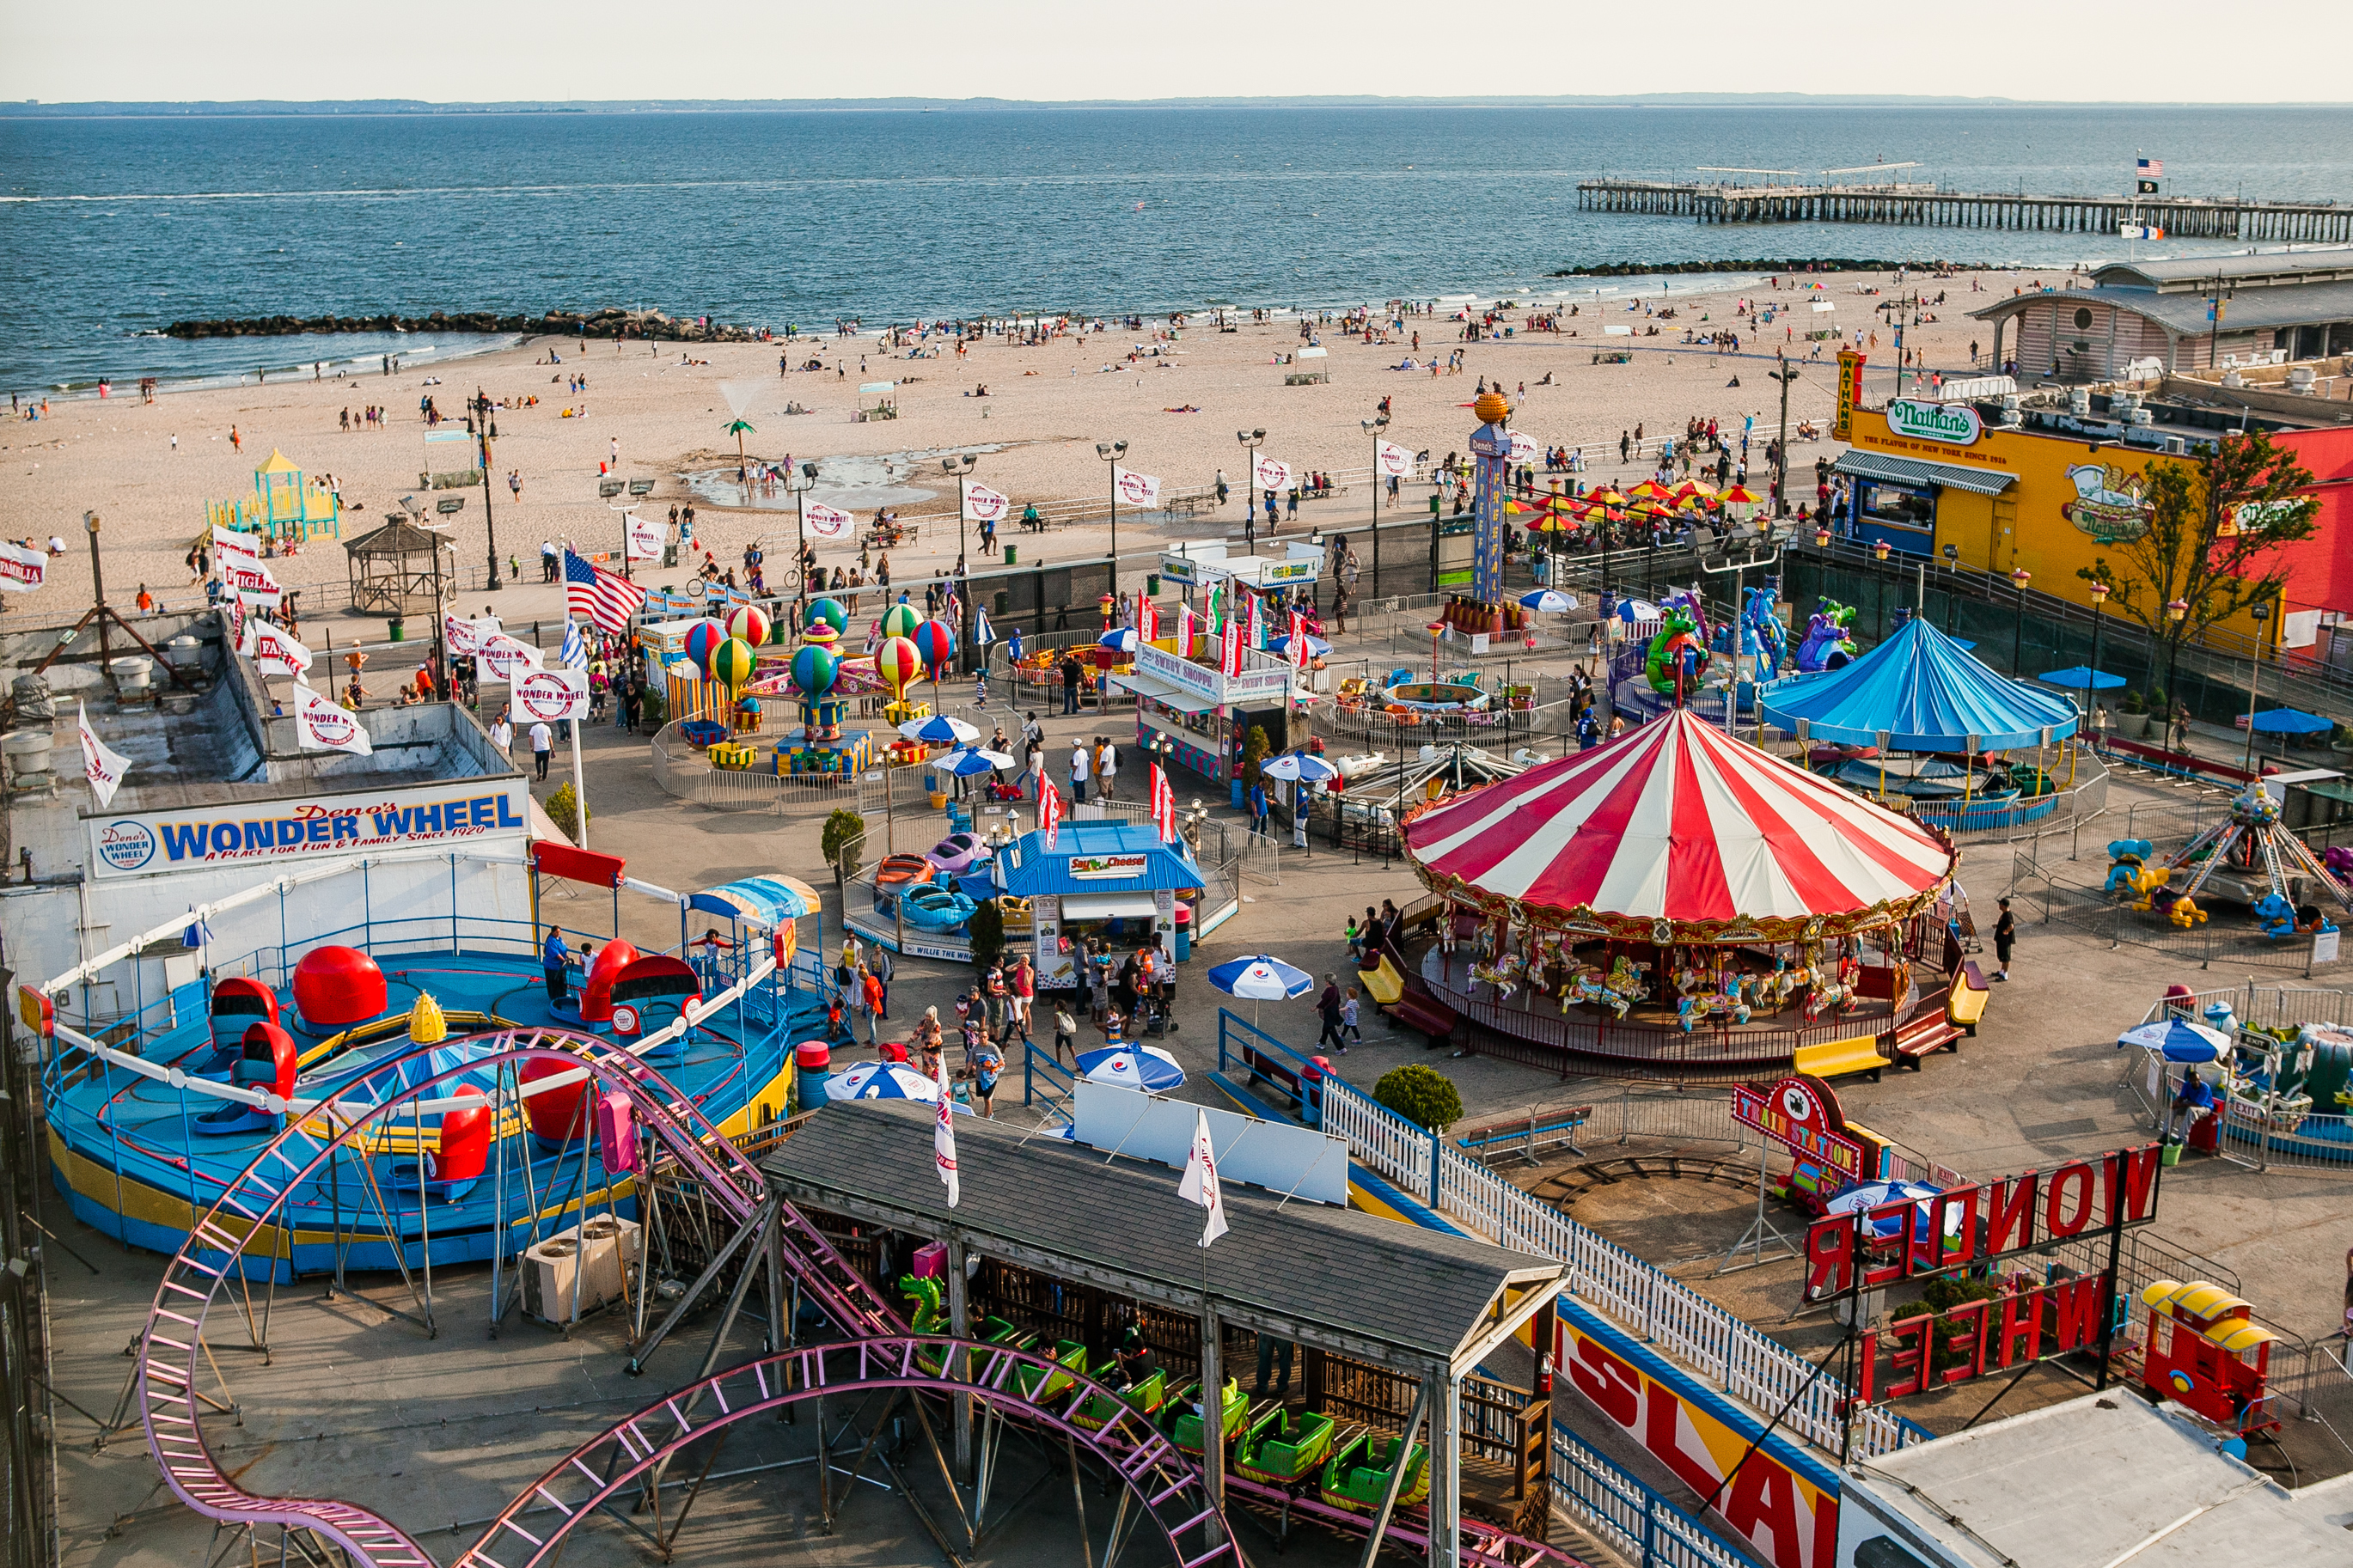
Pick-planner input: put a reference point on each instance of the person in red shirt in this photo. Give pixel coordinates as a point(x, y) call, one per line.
point(870, 990)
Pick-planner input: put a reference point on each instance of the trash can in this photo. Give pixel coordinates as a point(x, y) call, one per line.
point(399, 631)
point(812, 1062)
point(1152, 585)
point(1012, 554)
point(1184, 931)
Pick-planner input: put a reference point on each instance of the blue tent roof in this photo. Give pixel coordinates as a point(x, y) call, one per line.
point(1926, 694)
point(1096, 856)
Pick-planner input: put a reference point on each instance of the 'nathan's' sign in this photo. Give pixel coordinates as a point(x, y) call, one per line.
point(1863, 1251)
point(1955, 424)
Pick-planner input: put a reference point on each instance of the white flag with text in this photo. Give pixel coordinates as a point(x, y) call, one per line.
point(1200, 1183)
point(322, 726)
point(104, 768)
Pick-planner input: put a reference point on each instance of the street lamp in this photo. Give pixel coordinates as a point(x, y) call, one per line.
point(2021, 576)
point(1250, 440)
point(1111, 452)
point(1952, 599)
point(1785, 375)
point(2262, 612)
point(2177, 611)
point(2099, 614)
point(959, 466)
point(1373, 428)
point(479, 406)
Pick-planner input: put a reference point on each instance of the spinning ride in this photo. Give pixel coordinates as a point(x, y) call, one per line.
point(1679, 896)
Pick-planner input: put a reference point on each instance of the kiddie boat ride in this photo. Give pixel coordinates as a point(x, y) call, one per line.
point(153, 1115)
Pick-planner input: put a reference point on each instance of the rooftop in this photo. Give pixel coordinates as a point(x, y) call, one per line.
point(2263, 271)
point(2323, 296)
point(1344, 1280)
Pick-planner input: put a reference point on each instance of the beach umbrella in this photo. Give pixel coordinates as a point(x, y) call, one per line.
point(883, 1081)
point(1607, 495)
point(2178, 1040)
point(1738, 495)
point(939, 730)
point(2290, 721)
point(702, 640)
point(2080, 677)
point(831, 613)
point(733, 663)
point(1317, 646)
point(1546, 601)
point(1261, 978)
point(1305, 766)
point(898, 664)
point(1146, 1067)
point(1632, 610)
point(751, 624)
point(815, 669)
point(967, 761)
point(901, 620)
point(1649, 489)
point(1119, 639)
point(1691, 490)
point(1867, 1195)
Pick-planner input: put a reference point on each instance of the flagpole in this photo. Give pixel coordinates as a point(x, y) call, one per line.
point(579, 785)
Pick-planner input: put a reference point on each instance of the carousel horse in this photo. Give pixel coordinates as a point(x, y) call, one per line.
point(1829, 996)
point(1618, 991)
point(1828, 644)
point(1678, 660)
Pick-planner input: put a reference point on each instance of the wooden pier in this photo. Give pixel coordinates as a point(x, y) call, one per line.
point(1924, 205)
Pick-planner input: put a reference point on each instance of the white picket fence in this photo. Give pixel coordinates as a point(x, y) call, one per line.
point(1647, 1302)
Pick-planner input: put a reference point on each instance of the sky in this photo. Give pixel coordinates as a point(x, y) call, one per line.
point(2108, 50)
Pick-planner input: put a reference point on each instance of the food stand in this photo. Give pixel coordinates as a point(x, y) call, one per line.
point(1113, 879)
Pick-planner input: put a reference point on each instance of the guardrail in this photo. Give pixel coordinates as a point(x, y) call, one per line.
point(1628, 1516)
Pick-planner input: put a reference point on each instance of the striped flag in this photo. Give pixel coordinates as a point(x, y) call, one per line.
point(1164, 805)
point(575, 647)
point(605, 597)
point(2152, 168)
point(943, 1155)
point(1148, 619)
point(1049, 811)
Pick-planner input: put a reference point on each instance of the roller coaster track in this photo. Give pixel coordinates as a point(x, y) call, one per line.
point(172, 1342)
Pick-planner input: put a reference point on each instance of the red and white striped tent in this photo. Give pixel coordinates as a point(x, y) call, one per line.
point(1677, 832)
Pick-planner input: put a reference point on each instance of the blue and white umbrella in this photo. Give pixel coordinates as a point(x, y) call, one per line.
point(1317, 646)
point(939, 730)
point(198, 932)
point(2178, 1040)
point(965, 762)
point(1261, 979)
point(1119, 639)
point(1303, 765)
point(1867, 1195)
point(1548, 601)
point(883, 1081)
point(1147, 1067)
point(1633, 610)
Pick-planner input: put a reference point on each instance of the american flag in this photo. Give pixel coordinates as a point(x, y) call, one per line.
point(2152, 168)
point(603, 596)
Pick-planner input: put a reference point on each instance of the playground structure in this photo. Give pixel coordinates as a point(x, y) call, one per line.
point(288, 507)
point(2282, 1081)
point(1628, 902)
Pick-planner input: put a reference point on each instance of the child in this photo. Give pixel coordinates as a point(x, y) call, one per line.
point(975, 1034)
point(1348, 1019)
point(980, 689)
point(1066, 1035)
point(1112, 1025)
point(1356, 935)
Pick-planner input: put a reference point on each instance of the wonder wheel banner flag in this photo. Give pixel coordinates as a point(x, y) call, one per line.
point(1393, 460)
point(505, 657)
point(273, 652)
point(104, 768)
point(1147, 618)
point(1164, 805)
point(323, 726)
point(1049, 811)
point(828, 521)
point(982, 504)
point(1230, 648)
point(21, 570)
point(464, 637)
point(1134, 488)
point(645, 539)
point(943, 1155)
point(1200, 1183)
point(1272, 475)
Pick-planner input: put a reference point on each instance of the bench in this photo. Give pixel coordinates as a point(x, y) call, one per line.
point(1925, 1036)
point(1967, 1001)
point(1524, 1133)
point(1842, 1059)
point(1427, 1013)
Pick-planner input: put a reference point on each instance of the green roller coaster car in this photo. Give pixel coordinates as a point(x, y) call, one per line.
point(1040, 1386)
point(931, 1318)
point(1185, 1426)
point(1358, 1475)
point(1101, 1409)
point(1280, 1448)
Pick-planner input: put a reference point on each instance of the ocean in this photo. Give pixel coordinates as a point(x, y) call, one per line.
point(111, 229)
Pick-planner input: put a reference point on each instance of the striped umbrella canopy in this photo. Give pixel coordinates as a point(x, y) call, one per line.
point(1677, 832)
point(1147, 1067)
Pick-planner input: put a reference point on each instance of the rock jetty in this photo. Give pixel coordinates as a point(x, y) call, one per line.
point(1784, 266)
point(607, 323)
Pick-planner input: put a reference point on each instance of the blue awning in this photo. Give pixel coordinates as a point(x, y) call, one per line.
point(762, 900)
point(1923, 694)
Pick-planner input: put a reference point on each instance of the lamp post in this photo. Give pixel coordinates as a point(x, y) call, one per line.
point(2099, 614)
point(1785, 375)
point(1250, 440)
point(2177, 611)
point(1879, 587)
point(481, 408)
point(958, 465)
point(1373, 428)
point(1111, 452)
point(2262, 611)
point(2019, 576)
point(799, 481)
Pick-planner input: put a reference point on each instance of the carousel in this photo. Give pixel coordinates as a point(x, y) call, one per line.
point(1678, 897)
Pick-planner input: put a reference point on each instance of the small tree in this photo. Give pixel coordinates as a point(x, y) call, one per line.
point(1255, 747)
point(563, 810)
point(987, 928)
point(843, 841)
point(2208, 539)
point(1423, 1096)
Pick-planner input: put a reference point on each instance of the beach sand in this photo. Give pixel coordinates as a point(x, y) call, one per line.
point(1035, 431)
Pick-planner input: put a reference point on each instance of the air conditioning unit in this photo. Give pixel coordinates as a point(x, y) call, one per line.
point(2079, 401)
point(2140, 416)
point(577, 1271)
point(2175, 447)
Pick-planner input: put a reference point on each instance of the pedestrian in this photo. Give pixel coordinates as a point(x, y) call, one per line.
point(988, 1064)
point(1327, 1009)
point(1066, 1035)
point(1070, 669)
point(1079, 767)
point(1106, 769)
point(553, 959)
point(884, 972)
point(1022, 986)
point(1258, 808)
point(870, 991)
point(1274, 1357)
point(2005, 937)
point(995, 996)
point(542, 741)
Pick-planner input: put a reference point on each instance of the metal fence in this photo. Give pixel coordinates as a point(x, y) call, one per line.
point(1628, 1516)
point(2320, 1143)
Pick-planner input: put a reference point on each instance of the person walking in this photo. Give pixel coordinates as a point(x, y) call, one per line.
point(2005, 938)
point(542, 742)
point(1080, 768)
point(1070, 669)
point(1258, 807)
point(869, 994)
point(1106, 769)
point(883, 971)
point(1327, 1009)
point(1023, 985)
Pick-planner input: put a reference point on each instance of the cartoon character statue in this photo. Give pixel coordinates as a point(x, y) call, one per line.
point(2275, 915)
point(1828, 644)
point(2127, 856)
point(1678, 659)
point(1766, 638)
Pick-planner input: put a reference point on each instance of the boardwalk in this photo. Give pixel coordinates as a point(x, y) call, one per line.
point(1927, 206)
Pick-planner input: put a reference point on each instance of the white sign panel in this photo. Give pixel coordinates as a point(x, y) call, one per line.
point(982, 504)
point(1953, 423)
point(21, 570)
point(504, 656)
point(1395, 461)
point(1295, 1162)
point(250, 581)
point(322, 726)
point(645, 539)
point(185, 839)
point(1134, 488)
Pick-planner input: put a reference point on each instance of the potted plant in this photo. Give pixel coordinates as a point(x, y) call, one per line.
point(2131, 717)
point(1422, 1095)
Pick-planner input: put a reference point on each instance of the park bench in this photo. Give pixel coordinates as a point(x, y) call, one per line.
point(1842, 1059)
point(1923, 1036)
point(1967, 1001)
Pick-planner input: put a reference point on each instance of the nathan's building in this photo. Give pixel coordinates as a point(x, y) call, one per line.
point(2179, 316)
point(2059, 488)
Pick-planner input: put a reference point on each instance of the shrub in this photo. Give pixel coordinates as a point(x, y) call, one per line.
point(563, 810)
point(987, 929)
point(1422, 1095)
point(843, 839)
point(653, 706)
point(1255, 747)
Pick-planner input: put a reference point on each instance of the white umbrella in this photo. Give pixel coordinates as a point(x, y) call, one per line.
point(940, 730)
point(1303, 765)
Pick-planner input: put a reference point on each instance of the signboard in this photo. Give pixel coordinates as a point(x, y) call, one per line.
point(2110, 503)
point(1275, 573)
point(1922, 1355)
point(548, 695)
point(827, 521)
point(982, 504)
point(21, 570)
point(1393, 460)
point(1850, 395)
point(1101, 868)
point(1953, 423)
point(2261, 516)
point(198, 837)
point(1163, 665)
point(1801, 1114)
point(1979, 1225)
point(1179, 569)
point(1272, 475)
point(1134, 488)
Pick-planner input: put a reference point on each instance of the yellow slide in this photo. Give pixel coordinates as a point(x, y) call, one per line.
point(1384, 985)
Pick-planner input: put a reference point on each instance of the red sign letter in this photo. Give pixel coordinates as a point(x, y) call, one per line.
point(2058, 1218)
point(2022, 1318)
point(1910, 1355)
point(2079, 1302)
point(2131, 1184)
point(1830, 1257)
point(1964, 1343)
point(2009, 1215)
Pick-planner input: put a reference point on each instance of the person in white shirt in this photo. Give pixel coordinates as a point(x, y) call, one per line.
point(1079, 767)
point(541, 739)
point(503, 736)
point(1106, 771)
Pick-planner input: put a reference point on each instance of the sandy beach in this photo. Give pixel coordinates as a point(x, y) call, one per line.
point(147, 468)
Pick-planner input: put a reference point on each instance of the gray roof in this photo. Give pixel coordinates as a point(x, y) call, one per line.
point(2251, 310)
point(2190, 274)
point(1352, 1281)
point(1913, 471)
